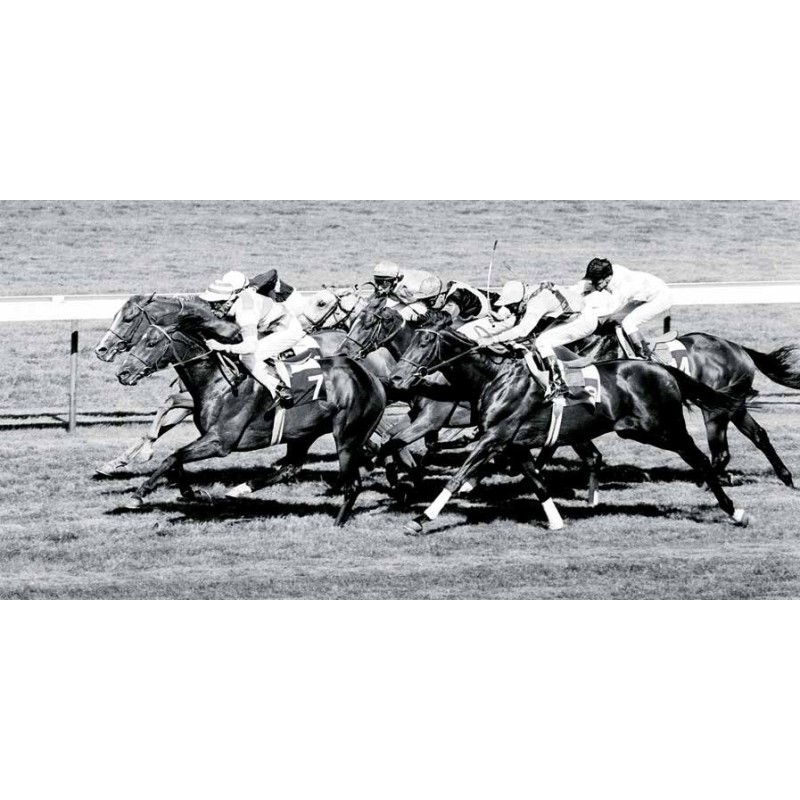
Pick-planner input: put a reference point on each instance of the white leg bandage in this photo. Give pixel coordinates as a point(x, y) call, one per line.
point(434, 509)
point(554, 520)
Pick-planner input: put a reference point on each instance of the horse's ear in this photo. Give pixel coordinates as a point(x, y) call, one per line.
point(150, 299)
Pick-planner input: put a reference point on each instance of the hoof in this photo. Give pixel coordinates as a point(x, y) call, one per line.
point(203, 496)
point(242, 490)
point(134, 503)
point(110, 467)
point(741, 518)
point(555, 526)
point(413, 528)
point(593, 499)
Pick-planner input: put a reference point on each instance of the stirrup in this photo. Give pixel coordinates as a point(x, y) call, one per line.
point(284, 396)
point(555, 390)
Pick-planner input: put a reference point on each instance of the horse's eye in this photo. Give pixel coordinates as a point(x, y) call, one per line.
point(128, 318)
point(151, 342)
point(320, 303)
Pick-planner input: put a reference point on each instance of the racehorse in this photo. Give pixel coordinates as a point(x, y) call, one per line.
point(244, 417)
point(139, 311)
point(379, 326)
point(331, 309)
point(638, 400)
point(719, 363)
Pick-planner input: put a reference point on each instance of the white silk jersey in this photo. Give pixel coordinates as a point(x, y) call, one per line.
point(626, 286)
point(547, 302)
point(255, 310)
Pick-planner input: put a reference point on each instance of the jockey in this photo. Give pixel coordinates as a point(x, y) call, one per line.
point(627, 295)
point(528, 306)
point(268, 329)
point(386, 276)
point(461, 301)
point(418, 292)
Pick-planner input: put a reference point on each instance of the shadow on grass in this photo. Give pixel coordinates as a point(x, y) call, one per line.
point(225, 509)
point(530, 512)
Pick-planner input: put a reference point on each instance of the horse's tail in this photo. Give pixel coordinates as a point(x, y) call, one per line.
point(720, 401)
point(781, 365)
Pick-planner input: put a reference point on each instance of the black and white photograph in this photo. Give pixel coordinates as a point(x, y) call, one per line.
point(399, 400)
point(393, 400)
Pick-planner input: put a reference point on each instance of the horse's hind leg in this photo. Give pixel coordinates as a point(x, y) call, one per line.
point(351, 428)
point(593, 460)
point(554, 521)
point(744, 421)
point(717, 435)
point(676, 438)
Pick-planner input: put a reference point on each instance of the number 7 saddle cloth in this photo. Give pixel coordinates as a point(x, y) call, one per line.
point(306, 378)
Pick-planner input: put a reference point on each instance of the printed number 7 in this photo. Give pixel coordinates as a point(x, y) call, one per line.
point(318, 387)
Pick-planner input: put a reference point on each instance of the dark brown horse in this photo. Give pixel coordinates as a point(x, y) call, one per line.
point(139, 311)
point(379, 326)
point(244, 417)
point(638, 400)
point(720, 364)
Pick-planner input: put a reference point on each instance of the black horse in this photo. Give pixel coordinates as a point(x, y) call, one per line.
point(720, 364)
point(139, 311)
point(379, 326)
point(244, 417)
point(638, 400)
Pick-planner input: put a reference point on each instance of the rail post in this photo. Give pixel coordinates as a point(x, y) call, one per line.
point(73, 378)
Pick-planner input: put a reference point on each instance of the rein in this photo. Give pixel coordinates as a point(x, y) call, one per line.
point(149, 369)
point(367, 347)
point(422, 370)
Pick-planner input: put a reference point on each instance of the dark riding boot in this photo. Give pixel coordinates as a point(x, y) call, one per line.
point(558, 384)
point(284, 395)
point(640, 346)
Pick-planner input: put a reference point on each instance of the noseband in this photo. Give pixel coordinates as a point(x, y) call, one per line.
point(373, 342)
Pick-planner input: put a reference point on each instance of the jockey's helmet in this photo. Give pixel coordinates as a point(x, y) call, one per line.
point(599, 270)
point(512, 294)
point(387, 275)
point(430, 288)
point(226, 288)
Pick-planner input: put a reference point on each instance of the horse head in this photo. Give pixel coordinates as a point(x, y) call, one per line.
point(330, 308)
point(158, 348)
point(176, 342)
point(430, 348)
point(132, 319)
point(374, 327)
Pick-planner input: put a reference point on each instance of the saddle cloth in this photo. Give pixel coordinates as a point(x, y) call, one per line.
point(305, 376)
point(674, 354)
point(583, 384)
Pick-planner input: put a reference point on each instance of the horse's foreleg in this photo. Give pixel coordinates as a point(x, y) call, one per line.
point(487, 447)
point(744, 421)
point(176, 409)
point(170, 413)
point(210, 445)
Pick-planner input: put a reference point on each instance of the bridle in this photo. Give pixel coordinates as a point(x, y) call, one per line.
point(319, 324)
point(149, 369)
point(373, 342)
point(422, 370)
point(128, 340)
